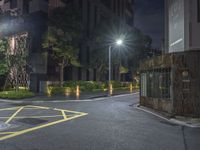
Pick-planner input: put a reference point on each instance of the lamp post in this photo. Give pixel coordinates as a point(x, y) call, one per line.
point(118, 43)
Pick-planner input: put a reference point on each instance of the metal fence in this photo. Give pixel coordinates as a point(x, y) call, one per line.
point(156, 83)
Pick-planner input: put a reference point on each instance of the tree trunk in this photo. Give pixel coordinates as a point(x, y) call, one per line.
point(61, 74)
point(98, 76)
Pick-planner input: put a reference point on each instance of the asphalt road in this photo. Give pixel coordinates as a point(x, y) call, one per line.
point(108, 124)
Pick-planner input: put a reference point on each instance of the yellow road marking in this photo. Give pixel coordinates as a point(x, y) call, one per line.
point(64, 115)
point(40, 127)
point(2, 133)
point(7, 135)
point(39, 107)
point(11, 108)
point(14, 115)
point(70, 111)
point(20, 117)
point(25, 107)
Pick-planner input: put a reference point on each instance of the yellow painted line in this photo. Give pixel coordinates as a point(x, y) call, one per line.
point(3, 133)
point(14, 115)
point(40, 127)
point(39, 107)
point(32, 108)
point(70, 111)
point(64, 115)
point(20, 117)
point(10, 108)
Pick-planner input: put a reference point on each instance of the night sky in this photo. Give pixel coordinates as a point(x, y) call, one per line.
point(149, 17)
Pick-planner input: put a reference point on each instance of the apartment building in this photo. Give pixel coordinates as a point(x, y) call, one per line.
point(32, 17)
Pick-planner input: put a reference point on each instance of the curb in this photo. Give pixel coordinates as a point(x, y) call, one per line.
point(64, 101)
point(171, 120)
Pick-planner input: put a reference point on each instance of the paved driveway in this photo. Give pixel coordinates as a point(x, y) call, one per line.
point(107, 124)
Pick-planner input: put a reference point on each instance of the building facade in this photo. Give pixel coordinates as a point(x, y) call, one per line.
point(171, 82)
point(32, 18)
point(93, 11)
point(182, 25)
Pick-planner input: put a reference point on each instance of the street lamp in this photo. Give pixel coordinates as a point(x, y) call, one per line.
point(118, 43)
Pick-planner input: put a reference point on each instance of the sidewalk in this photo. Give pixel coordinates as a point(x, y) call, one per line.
point(180, 120)
point(83, 96)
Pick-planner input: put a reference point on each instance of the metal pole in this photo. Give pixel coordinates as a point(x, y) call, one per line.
point(110, 48)
point(110, 64)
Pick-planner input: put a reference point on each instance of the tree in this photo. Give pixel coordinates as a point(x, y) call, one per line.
point(140, 49)
point(136, 47)
point(63, 36)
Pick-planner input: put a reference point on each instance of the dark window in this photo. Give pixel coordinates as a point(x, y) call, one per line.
point(79, 74)
point(88, 54)
point(13, 4)
point(26, 6)
point(114, 6)
point(107, 3)
point(95, 15)
point(87, 75)
point(198, 10)
point(80, 4)
point(88, 18)
point(118, 4)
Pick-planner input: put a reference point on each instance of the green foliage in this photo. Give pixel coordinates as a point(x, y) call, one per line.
point(63, 37)
point(123, 70)
point(20, 94)
point(3, 56)
point(57, 90)
point(84, 85)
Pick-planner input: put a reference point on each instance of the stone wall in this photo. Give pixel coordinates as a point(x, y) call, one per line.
point(185, 83)
point(157, 104)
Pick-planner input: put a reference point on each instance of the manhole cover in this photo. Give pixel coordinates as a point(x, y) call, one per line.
point(4, 126)
point(32, 121)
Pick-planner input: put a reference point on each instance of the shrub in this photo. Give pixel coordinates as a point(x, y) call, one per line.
point(12, 94)
point(70, 86)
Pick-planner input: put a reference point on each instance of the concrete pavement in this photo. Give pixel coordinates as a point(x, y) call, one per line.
point(110, 124)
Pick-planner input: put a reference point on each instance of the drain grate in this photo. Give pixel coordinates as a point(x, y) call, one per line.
point(32, 121)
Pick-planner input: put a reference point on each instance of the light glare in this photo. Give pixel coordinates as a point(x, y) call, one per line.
point(119, 42)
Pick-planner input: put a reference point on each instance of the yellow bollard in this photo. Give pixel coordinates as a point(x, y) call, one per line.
point(110, 89)
point(131, 88)
point(77, 91)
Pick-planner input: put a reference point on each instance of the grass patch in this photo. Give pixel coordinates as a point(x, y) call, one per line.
point(21, 94)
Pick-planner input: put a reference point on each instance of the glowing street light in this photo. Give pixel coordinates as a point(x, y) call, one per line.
point(118, 43)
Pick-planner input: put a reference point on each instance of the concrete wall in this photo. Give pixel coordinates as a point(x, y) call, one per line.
point(182, 27)
point(194, 26)
point(176, 25)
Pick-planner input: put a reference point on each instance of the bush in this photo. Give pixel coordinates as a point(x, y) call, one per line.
point(70, 86)
point(57, 90)
point(84, 85)
point(16, 94)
